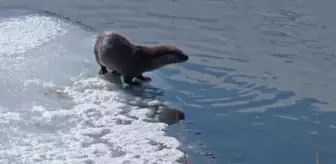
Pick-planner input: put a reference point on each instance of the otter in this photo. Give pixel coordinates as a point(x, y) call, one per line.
point(116, 54)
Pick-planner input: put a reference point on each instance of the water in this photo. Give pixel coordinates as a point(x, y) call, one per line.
point(257, 89)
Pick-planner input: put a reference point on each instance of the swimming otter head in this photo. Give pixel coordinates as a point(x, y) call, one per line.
point(159, 56)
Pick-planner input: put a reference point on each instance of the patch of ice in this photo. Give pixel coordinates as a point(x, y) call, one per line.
point(98, 128)
point(19, 34)
point(314, 132)
point(287, 117)
point(316, 122)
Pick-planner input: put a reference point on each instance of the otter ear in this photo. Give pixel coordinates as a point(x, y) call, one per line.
point(140, 52)
point(150, 53)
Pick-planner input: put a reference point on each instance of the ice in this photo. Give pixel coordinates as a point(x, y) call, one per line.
point(55, 109)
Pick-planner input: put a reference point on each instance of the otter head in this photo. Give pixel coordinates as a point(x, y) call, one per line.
point(160, 56)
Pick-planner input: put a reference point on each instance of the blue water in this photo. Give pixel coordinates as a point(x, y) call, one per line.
point(259, 86)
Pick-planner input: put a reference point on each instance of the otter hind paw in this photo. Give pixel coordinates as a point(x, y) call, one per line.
point(114, 72)
point(103, 70)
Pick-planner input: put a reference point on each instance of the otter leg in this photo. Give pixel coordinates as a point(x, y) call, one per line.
point(144, 78)
point(102, 70)
point(129, 80)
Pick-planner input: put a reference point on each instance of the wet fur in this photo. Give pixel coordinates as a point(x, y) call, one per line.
point(116, 54)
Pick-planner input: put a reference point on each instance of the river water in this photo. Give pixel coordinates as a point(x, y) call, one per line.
point(258, 88)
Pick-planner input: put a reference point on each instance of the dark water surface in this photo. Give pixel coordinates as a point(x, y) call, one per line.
point(259, 87)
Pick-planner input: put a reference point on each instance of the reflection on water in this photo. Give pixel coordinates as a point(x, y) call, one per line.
point(140, 95)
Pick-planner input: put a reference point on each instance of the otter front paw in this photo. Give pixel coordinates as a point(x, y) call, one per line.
point(130, 81)
point(144, 78)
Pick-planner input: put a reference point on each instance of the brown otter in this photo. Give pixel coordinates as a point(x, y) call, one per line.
point(113, 52)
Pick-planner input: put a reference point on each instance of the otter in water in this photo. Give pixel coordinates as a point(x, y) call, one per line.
point(114, 53)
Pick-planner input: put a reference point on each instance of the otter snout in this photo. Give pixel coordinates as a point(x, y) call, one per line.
point(182, 57)
point(176, 58)
point(179, 57)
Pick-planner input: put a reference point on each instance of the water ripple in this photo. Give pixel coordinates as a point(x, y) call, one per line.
point(159, 15)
